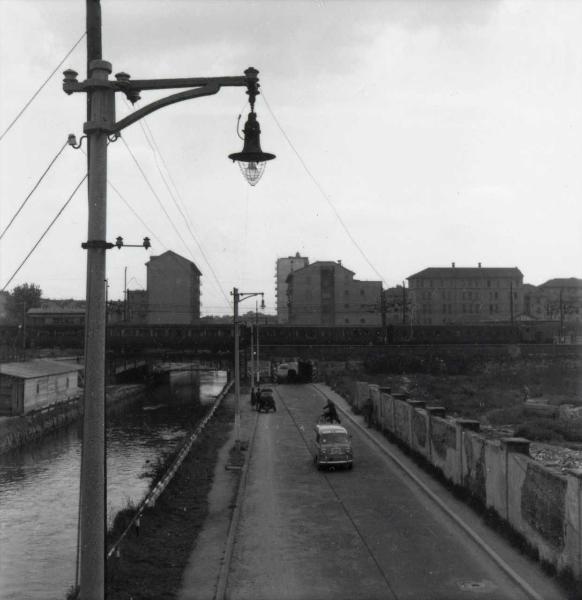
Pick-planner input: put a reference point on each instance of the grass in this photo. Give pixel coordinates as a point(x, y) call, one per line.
point(153, 558)
point(491, 391)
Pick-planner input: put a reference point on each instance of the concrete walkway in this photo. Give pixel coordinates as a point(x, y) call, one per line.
point(202, 572)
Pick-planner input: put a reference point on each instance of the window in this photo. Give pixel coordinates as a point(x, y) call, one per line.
point(488, 283)
point(346, 305)
point(362, 320)
point(362, 293)
point(346, 320)
point(347, 293)
point(38, 388)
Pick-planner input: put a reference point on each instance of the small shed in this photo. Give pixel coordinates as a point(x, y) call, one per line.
point(34, 384)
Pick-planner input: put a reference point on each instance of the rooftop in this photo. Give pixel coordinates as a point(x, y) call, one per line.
point(467, 272)
point(38, 368)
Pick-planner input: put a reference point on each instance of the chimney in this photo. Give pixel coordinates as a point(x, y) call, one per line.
point(479, 264)
point(339, 262)
point(453, 265)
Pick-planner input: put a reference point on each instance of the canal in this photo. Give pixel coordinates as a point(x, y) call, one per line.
point(39, 484)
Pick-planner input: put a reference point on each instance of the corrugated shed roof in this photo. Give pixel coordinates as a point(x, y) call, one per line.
point(38, 368)
point(467, 272)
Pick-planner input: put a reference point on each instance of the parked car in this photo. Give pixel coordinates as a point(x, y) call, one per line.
point(266, 400)
point(333, 447)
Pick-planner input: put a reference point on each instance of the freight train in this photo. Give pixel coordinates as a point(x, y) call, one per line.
point(220, 337)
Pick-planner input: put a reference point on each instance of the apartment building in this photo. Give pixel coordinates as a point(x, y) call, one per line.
point(326, 293)
point(286, 266)
point(173, 290)
point(441, 295)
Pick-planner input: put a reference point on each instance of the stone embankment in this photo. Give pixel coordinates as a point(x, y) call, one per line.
point(17, 431)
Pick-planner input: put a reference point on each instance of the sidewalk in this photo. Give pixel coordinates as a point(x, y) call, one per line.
point(203, 569)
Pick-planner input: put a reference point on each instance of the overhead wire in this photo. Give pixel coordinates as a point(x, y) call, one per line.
point(45, 232)
point(135, 213)
point(322, 191)
point(41, 87)
point(33, 190)
point(156, 195)
point(177, 199)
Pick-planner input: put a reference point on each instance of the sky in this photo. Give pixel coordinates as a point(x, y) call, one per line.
point(408, 134)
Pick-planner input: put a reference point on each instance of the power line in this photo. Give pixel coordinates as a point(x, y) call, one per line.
point(156, 152)
point(41, 87)
point(135, 213)
point(45, 232)
point(322, 191)
point(33, 190)
point(155, 193)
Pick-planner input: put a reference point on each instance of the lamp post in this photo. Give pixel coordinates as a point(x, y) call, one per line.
point(257, 344)
point(237, 298)
point(100, 129)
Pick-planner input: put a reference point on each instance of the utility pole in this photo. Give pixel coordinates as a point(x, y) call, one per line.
point(252, 360)
point(237, 298)
point(403, 303)
point(125, 312)
point(235, 295)
point(92, 502)
point(101, 128)
point(511, 301)
point(561, 317)
point(257, 333)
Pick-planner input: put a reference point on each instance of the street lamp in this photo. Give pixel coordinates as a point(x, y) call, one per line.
point(239, 297)
point(100, 129)
point(252, 159)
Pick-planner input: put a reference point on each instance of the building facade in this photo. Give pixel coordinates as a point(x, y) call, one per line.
point(284, 267)
point(136, 310)
point(173, 290)
point(555, 300)
point(326, 293)
point(453, 294)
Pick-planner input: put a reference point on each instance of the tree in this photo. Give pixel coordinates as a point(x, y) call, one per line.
point(22, 298)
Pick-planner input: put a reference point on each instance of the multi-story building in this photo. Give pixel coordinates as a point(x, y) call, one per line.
point(326, 293)
point(465, 295)
point(173, 284)
point(136, 309)
point(396, 305)
point(555, 300)
point(286, 266)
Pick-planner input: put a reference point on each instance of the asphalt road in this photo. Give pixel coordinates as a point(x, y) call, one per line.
point(362, 534)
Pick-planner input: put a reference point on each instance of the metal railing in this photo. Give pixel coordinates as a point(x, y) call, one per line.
point(150, 500)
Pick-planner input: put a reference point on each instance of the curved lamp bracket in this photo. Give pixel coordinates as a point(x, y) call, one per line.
point(206, 90)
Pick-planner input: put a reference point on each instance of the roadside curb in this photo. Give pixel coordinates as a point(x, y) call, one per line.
point(466, 528)
point(229, 545)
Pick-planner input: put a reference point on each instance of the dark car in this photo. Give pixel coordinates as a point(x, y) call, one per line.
point(266, 400)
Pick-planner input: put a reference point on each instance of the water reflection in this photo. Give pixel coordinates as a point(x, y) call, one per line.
point(39, 484)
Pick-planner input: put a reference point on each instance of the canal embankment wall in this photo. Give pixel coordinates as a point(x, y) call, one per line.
point(543, 506)
point(18, 431)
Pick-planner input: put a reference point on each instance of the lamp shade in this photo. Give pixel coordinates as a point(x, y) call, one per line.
point(252, 159)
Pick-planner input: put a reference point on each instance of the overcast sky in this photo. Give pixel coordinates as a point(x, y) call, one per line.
point(438, 131)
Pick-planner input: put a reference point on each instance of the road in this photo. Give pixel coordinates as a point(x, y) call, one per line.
point(362, 534)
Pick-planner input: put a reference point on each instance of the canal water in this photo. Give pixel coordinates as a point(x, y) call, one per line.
point(39, 484)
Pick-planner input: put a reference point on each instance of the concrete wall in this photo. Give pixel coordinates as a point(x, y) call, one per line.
point(544, 506)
